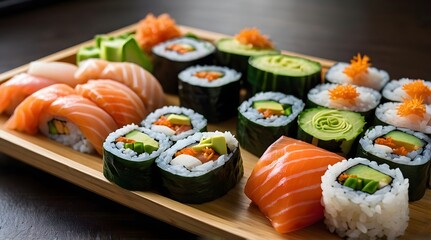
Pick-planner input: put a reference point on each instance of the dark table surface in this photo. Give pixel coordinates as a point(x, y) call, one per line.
point(35, 205)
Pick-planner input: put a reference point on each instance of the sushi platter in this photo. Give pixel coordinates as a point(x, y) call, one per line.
point(231, 216)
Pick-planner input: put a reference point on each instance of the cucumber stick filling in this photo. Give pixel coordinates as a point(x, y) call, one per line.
point(285, 65)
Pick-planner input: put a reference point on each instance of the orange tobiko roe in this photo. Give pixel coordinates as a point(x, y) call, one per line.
point(358, 65)
point(345, 92)
point(252, 36)
point(412, 106)
point(152, 30)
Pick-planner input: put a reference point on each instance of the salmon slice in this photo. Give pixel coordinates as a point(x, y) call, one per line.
point(137, 78)
point(92, 123)
point(115, 98)
point(16, 89)
point(285, 183)
point(26, 115)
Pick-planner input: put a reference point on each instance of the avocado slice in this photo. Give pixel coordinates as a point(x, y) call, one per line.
point(274, 106)
point(410, 142)
point(111, 49)
point(218, 143)
point(179, 119)
point(131, 52)
point(86, 53)
point(149, 144)
point(369, 174)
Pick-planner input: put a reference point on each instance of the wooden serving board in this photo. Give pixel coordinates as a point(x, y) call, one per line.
point(231, 216)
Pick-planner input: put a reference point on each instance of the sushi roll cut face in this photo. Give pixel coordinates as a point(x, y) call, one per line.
point(358, 72)
point(405, 88)
point(345, 97)
point(175, 122)
point(183, 49)
point(412, 114)
point(209, 76)
point(363, 178)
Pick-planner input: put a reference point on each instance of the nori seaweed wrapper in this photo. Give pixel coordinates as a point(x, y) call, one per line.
point(215, 103)
point(207, 187)
point(418, 174)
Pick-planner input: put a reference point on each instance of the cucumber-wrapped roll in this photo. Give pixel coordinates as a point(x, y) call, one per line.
point(210, 90)
point(173, 56)
point(331, 129)
point(129, 154)
point(175, 122)
point(283, 73)
point(406, 88)
point(234, 52)
point(264, 118)
point(345, 97)
point(201, 167)
point(400, 148)
point(359, 72)
point(364, 200)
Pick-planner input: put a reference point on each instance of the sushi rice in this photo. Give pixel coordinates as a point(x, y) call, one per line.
point(393, 91)
point(202, 49)
point(229, 75)
point(367, 100)
point(198, 121)
point(358, 215)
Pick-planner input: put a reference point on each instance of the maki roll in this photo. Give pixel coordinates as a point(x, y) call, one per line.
point(283, 73)
point(210, 90)
point(412, 114)
point(175, 122)
point(269, 114)
point(175, 55)
point(345, 97)
point(405, 88)
point(235, 52)
point(129, 154)
point(364, 200)
point(400, 148)
point(331, 129)
point(358, 72)
point(201, 167)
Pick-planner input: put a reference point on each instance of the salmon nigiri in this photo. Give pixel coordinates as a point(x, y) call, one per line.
point(134, 76)
point(115, 98)
point(77, 122)
point(16, 89)
point(61, 72)
point(285, 183)
point(26, 115)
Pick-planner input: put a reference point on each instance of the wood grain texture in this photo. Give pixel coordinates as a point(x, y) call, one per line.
point(231, 216)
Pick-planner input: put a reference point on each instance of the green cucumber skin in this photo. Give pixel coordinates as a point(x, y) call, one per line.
point(216, 104)
point(166, 71)
point(249, 134)
point(262, 81)
point(128, 174)
point(341, 147)
point(207, 187)
point(418, 175)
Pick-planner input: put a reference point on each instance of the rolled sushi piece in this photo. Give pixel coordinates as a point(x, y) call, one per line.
point(283, 73)
point(412, 114)
point(201, 167)
point(234, 52)
point(406, 88)
point(345, 97)
point(212, 91)
point(175, 122)
point(358, 72)
point(401, 148)
point(334, 130)
point(129, 155)
point(268, 114)
point(175, 55)
point(364, 200)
